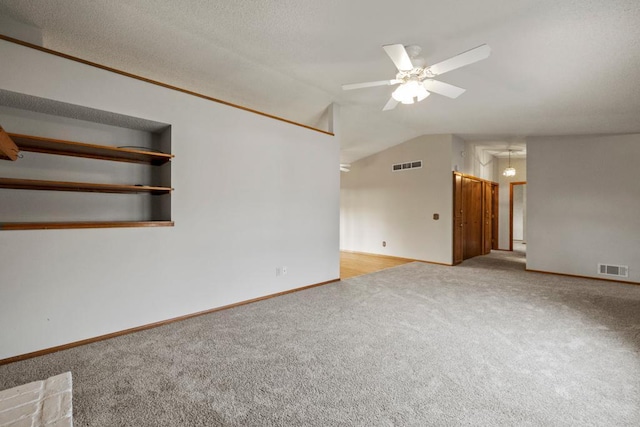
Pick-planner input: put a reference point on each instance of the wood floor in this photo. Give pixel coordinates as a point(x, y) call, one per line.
point(352, 265)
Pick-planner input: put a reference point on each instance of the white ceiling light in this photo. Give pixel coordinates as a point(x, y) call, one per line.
point(406, 92)
point(345, 167)
point(509, 171)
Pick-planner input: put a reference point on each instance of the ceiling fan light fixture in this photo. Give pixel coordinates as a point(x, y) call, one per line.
point(422, 93)
point(407, 91)
point(403, 94)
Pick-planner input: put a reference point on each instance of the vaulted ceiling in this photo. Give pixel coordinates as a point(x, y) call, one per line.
point(557, 67)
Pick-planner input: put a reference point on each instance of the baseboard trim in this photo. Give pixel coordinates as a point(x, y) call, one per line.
point(583, 277)
point(395, 257)
point(153, 325)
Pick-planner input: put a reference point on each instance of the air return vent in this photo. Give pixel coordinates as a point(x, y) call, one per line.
point(613, 270)
point(416, 164)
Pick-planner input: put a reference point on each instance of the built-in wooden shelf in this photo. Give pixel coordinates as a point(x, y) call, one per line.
point(80, 149)
point(91, 224)
point(12, 144)
point(34, 184)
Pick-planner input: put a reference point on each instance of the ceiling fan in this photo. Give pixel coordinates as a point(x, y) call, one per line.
point(416, 78)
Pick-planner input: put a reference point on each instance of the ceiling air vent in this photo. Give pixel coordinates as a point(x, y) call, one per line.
point(407, 165)
point(613, 270)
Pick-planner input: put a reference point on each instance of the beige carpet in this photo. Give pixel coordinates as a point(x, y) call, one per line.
point(484, 343)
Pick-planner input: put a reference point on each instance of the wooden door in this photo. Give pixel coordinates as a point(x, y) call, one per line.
point(475, 217)
point(471, 217)
point(457, 219)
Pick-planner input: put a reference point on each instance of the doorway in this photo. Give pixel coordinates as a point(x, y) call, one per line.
point(518, 216)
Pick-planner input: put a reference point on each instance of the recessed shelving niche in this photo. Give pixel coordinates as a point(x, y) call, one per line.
point(69, 172)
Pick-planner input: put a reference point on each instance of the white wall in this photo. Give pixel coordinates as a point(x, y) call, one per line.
point(251, 194)
point(379, 205)
point(520, 166)
point(583, 204)
point(458, 154)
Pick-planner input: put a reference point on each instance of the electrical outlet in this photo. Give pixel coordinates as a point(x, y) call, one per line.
point(284, 271)
point(278, 272)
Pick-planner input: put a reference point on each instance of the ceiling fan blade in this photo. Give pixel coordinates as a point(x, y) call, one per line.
point(469, 57)
point(370, 84)
point(399, 56)
point(390, 105)
point(444, 89)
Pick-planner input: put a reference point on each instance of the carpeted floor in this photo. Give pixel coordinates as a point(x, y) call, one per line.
point(484, 343)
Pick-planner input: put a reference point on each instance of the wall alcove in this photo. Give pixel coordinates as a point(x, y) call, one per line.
point(81, 168)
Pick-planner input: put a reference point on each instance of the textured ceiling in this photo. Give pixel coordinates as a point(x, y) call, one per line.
point(557, 67)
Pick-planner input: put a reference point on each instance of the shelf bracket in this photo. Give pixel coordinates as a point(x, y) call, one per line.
point(8, 149)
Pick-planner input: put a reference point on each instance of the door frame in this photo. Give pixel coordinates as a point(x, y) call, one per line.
point(495, 220)
point(511, 185)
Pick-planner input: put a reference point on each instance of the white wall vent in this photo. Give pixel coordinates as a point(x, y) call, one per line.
point(613, 270)
point(416, 164)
